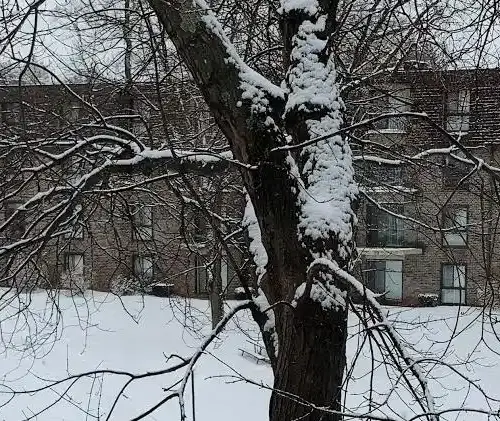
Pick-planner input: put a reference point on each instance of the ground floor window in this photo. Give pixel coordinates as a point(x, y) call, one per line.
point(453, 284)
point(143, 269)
point(386, 277)
point(203, 274)
point(73, 264)
point(73, 271)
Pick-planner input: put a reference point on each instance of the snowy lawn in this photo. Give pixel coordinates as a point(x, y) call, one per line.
point(137, 335)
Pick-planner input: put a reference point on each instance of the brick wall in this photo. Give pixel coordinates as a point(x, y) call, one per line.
point(423, 273)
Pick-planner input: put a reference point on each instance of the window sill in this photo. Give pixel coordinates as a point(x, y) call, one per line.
point(388, 253)
point(391, 189)
point(455, 246)
point(387, 131)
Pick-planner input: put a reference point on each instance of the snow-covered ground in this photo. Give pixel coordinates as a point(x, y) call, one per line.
point(137, 335)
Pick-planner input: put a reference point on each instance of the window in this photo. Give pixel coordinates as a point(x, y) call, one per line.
point(384, 229)
point(143, 268)
point(201, 275)
point(10, 113)
point(458, 111)
point(386, 277)
point(74, 265)
point(378, 175)
point(142, 216)
point(453, 284)
point(68, 112)
point(228, 274)
point(396, 102)
point(200, 228)
point(73, 112)
point(17, 225)
point(453, 172)
point(73, 271)
point(455, 226)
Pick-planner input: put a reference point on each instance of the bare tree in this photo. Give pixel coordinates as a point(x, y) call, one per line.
point(291, 139)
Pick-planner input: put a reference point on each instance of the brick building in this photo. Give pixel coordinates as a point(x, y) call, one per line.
point(429, 225)
point(428, 220)
point(123, 232)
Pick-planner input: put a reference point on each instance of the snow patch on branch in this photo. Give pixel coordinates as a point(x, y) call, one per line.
point(308, 6)
point(270, 325)
point(255, 87)
point(310, 82)
point(256, 247)
point(328, 173)
point(328, 295)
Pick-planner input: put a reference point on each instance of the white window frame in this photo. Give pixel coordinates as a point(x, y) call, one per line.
point(201, 275)
point(455, 221)
point(397, 101)
point(143, 268)
point(74, 265)
point(458, 111)
point(74, 112)
point(393, 273)
point(388, 230)
point(454, 290)
point(142, 216)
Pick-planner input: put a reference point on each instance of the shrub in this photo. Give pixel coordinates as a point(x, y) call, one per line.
point(428, 300)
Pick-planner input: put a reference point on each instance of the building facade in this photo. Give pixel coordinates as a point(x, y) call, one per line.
point(429, 206)
point(425, 161)
point(132, 228)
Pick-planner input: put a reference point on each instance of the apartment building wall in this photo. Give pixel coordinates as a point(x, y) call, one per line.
point(419, 189)
point(429, 191)
point(108, 239)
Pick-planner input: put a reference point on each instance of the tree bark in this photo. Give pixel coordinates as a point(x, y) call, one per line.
point(310, 363)
point(215, 287)
point(311, 357)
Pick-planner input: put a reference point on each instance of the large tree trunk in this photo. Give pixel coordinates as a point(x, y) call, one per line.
point(284, 188)
point(310, 364)
point(215, 291)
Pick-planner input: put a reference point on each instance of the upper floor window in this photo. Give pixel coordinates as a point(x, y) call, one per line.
point(16, 227)
point(142, 216)
point(458, 111)
point(10, 113)
point(373, 174)
point(455, 226)
point(384, 228)
point(394, 103)
point(455, 173)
